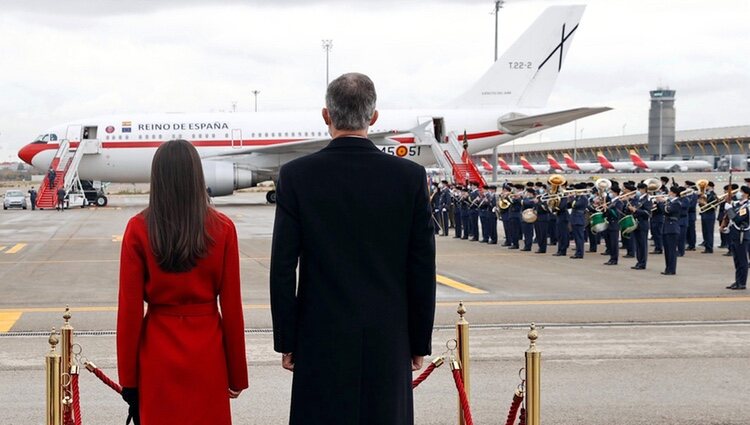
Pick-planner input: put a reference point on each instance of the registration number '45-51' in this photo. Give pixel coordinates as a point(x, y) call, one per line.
point(401, 150)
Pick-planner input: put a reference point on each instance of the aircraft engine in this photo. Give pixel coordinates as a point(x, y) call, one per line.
point(223, 178)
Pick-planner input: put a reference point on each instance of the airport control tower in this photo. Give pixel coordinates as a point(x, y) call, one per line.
point(661, 123)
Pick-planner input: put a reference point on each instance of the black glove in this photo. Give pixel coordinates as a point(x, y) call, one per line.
point(130, 395)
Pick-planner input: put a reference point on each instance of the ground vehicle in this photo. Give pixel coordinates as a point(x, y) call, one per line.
point(14, 199)
point(94, 195)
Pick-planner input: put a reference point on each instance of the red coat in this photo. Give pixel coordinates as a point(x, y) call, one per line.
point(183, 355)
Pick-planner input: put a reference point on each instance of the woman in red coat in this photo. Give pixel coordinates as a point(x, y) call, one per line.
point(183, 360)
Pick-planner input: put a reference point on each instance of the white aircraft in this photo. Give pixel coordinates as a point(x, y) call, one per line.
point(614, 166)
point(584, 167)
point(240, 150)
point(690, 165)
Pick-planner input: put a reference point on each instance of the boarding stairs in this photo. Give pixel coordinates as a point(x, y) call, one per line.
point(462, 167)
point(65, 163)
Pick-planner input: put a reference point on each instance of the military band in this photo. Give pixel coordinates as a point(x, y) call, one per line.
point(623, 216)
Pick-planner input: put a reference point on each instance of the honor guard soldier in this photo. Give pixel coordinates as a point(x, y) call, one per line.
point(483, 218)
point(503, 199)
point(591, 236)
point(613, 214)
point(708, 219)
point(628, 241)
point(578, 220)
point(562, 222)
point(657, 220)
point(690, 237)
point(541, 225)
point(465, 214)
point(528, 228)
point(640, 207)
point(514, 216)
point(445, 205)
point(435, 205)
point(456, 201)
point(672, 210)
point(491, 216)
point(682, 237)
point(739, 236)
point(474, 199)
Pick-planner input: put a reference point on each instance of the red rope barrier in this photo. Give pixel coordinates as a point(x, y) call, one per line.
point(522, 418)
point(104, 378)
point(434, 364)
point(76, 399)
point(513, 412)
point(462, 396)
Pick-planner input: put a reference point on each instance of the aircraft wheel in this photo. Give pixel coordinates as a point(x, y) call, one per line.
point(271, 197)
point(101, 201)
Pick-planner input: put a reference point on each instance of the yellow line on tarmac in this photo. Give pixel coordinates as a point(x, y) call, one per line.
point(8, 319)
point(2, 248)
point(603, 301)
point(16, 248)
point(458, 285)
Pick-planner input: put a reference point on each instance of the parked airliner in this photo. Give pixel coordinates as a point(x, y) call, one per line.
point(240, 150)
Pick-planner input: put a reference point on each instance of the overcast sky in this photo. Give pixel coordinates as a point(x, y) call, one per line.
point(63, 60)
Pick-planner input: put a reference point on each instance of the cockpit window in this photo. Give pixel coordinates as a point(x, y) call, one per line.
point(53, 137)
point(44, 138)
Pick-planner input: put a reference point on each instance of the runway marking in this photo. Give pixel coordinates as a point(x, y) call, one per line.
point(449, 304)
point(2, 248)
point(443, 280)
point(16, 248)
point(8, 319)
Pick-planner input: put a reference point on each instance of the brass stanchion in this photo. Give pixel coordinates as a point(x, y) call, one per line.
point(533, 379)
point(462, 341)
point(52, 368)
point(66, 332)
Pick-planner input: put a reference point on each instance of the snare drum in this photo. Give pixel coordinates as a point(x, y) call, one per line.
point(598, 222)
point(628, 224)
point(529, 215)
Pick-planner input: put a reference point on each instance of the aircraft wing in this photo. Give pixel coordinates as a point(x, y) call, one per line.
point(515, 125)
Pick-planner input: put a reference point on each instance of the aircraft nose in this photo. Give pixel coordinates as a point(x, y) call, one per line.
point(27, 153)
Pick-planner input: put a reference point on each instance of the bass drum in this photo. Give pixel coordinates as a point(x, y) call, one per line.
point(528, 215)
point(598, 222)
point(628, 224)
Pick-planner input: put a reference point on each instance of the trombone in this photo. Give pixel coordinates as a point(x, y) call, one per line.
point(563, 194)
point(708, 206)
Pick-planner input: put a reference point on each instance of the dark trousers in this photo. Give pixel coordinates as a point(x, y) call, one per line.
point(613, 241)
point(506, 231)
point(527, 229)
point(484, 221)
point(492, 224)
point(579, 237)
point(691, 237)
point(707, 229)
point(723, 240)
point(656, 227)
point(629, 242)
point(670, 252)
point(474, 224)
point(593, 239)
point(514, 231)
point(739, 254)
point(33, 204)
point(681, 239)
point(553, 230)
point(465, 229)
point(540, 228)
point(436, 224)
point(640, 238)
point(445, 217)
point(458, 222)
point(563, 237)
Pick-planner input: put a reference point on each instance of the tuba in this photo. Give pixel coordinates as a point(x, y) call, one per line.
point(602, 186)
point(556, 182)
point(702, 185)
point(653, 185)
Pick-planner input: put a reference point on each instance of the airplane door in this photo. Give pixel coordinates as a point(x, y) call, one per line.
point(74, 133)
point(236, 138)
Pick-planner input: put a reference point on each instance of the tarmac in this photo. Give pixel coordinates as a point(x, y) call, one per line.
point(619, 346)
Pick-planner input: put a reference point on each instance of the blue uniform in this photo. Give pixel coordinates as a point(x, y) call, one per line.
point(578, 222)
point(682, 237)
point(739, 234)
point(474, 214)
point(613, 215)
point(541, 226)
point(563, 221)
point(492, 217)
point(527, 228)
point(505, 219)
point(640, 236)
point(445, 206)
point(657, 224)
point(592, 237)
point(514, 222)
point(672, 210)
point(708, 222)
point(465, 229)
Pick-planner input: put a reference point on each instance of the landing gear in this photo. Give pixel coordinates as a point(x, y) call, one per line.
point(271, 197)
point(101, 201)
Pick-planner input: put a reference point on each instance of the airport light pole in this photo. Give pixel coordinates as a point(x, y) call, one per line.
point(255, 93)
point(498, 6)
point(660, 129)
point(327, 46)
point(234, 106)
point(575, 140)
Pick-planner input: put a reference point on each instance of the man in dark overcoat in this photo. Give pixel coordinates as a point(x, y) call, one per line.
point(359, 319)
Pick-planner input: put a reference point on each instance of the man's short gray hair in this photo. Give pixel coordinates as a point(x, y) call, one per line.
point(350, 100)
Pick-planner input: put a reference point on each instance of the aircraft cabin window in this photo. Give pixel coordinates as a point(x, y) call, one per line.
point(266, 134)
point(153, 136)
point(199, 135)
point(226, 135)
point(193, 136)
point(213, 136)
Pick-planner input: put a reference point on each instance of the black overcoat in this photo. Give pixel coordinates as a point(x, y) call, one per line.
point(358, 220)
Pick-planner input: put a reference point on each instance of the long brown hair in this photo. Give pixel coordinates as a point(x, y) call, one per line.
point(178, 207)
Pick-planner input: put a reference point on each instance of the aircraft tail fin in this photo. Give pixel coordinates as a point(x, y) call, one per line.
point(553, 163)
point(604, 161)
point(525, 74)
point(570, 163)
point(526, 164)
point(504, 165)
point(637, 161)
point(486, 165)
